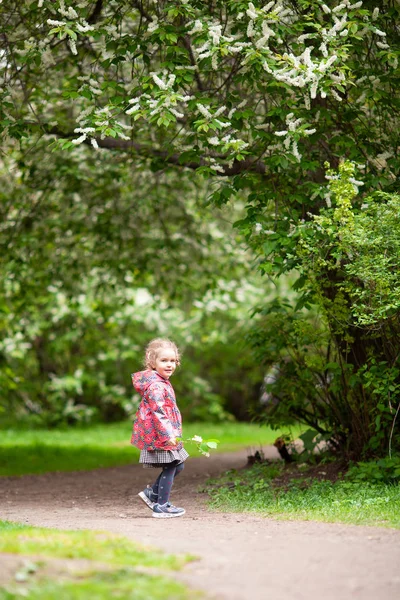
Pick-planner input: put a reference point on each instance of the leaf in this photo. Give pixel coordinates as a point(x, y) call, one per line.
point(308, 437)
point(212, 444)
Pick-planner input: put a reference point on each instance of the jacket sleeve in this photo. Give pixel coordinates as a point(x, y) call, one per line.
point(162, 424)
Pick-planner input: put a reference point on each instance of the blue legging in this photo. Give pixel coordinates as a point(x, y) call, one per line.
point(163, 484)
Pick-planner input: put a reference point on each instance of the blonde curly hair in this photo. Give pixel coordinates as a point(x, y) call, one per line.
point(153, 348)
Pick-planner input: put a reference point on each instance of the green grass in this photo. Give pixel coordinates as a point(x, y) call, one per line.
point(119, 579)
point(111, 549)
point(24, 451)
point(123, 585)
point(252, 490)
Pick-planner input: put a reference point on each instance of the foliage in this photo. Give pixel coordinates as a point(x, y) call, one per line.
point(342, 356)
point(76, 315)
point(385, 470)
point(359, 502)
point(114, 551)
point(203, 446)
point(255, 98)
point(27, 450)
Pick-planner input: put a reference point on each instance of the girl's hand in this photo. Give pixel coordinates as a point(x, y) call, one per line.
point(172, 442)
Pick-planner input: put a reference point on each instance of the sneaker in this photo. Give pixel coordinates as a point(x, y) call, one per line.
point(148, 497)
point(167, 510)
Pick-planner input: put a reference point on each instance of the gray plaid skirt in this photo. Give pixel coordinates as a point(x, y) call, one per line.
point(157, 459)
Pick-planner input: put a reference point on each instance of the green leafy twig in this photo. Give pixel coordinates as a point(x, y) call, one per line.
point(203, 446)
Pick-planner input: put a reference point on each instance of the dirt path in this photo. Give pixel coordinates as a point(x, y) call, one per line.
point(243, 557)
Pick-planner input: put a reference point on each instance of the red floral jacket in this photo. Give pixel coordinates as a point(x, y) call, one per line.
point(158, 418)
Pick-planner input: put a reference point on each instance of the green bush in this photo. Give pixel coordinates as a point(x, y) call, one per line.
point(386, 470)
point(333, 357)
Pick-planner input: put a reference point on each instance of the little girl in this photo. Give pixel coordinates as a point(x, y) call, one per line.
point(157, 424)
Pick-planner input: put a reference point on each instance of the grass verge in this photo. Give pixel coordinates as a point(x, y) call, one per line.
point(265, 489)
point(24, 451)
point(120, 577)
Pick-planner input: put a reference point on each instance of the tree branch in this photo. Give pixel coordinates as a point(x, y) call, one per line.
point(139, 5)
point(186, 42)
point(94, 17)
point(109, 143)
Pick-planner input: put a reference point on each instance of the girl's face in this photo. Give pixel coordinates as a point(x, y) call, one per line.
point(165, 363)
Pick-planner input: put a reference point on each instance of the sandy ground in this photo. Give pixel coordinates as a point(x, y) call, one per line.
point(241, 557)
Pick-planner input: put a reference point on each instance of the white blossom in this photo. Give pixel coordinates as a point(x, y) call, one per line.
point(176, 113)
point(379, 32)
point(204, 55)
point(215, 32)
point(251, 11)
point(219, 111)
point(215, 167)
point(324, 50)
point(94, 143)
point(375, 13)
point(281, 133)
point(206, 113)
point(326, 9)
point(197, 27)
point(382, 45)
point(214, 141)
point(80, 139)
point(336, 95)
point(330, 61)
point(313, 90)
point(72, 46)
point(203, 48)
point(84, 27)
point(268, 6)
point(296, 152)
point(161, 84)
point(70, 13)
point(338, 8)
point(56, 23)
point(250, 29)
point(85, 113)
point(222, 124)
point(355, 182)
point(153, 26)
point(305, 36)
point(84, 130)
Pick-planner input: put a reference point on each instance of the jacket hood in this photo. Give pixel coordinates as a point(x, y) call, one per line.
point(143, 379)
